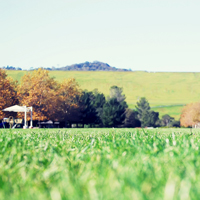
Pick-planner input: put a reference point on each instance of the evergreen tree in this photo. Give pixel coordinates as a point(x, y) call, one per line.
point(116, 92)
point(131, 119)
point(88, 111)
point(142, 107)
point(98, 102)
point(113, 113)
point(149, 118)
point(146, 116)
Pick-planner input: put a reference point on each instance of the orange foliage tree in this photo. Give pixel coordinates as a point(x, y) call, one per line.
point(190, 114)
point(37, 89)
point(50, 99)
point(8, 94)
point(67, 98)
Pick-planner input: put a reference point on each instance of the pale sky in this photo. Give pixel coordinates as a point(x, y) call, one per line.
point(151, 35)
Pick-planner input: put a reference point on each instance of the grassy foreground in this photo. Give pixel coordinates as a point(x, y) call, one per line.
point(99, 164)
point(160, 88)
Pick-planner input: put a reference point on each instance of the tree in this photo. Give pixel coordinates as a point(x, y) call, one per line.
point(8, 94)
point(146, 116)
point(149, 118)
point(88, 111)
point(116, 92)
point(142, 107)
point(190, 115)
point(166, 120)
point(98, 102)
point(68, 94)
point(73, 115)
point(37, 89)
point(131, 119)
point(113, 113)
point(175, 123)
point(50, 99)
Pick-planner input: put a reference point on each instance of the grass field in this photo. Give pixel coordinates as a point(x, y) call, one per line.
point(160, 89)
point(99, 164)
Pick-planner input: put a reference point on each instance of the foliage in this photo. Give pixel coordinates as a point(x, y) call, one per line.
point(113, 113)
point(100, 164)
point(90, 106)
point(98, 103)
point(73, 115)
point(37, 89)
point(190, 114)
point(67, 94)
point(50, 99)
point(88, 111)
point(166, 120)
point(142, 106)
point(131, 119)
point(8, 95)
point(149, 118)
point(116, 92)
point(175, 123)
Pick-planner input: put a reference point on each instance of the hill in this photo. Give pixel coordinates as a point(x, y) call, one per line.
point(166, 92)
point(88, 66)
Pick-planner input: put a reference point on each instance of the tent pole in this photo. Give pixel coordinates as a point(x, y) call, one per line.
point(31, 125)
point(25, 118)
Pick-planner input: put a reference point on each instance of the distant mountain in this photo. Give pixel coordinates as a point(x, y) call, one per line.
point(86, 66)
point(89, 66)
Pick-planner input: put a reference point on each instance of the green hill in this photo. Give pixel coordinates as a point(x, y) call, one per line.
point(166, 92)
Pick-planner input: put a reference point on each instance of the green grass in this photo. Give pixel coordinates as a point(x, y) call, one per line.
point(174, 110)
point(159, 88)
point(99, 164)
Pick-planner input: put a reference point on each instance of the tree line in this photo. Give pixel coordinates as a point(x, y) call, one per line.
point(67, 103)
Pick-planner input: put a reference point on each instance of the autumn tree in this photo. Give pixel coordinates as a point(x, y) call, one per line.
point(67, 103)
point(190, 114)
point(38, 89)
point(8, 94)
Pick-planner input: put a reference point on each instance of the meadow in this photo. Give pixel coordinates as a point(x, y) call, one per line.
point(166, 92)
point(102, 164)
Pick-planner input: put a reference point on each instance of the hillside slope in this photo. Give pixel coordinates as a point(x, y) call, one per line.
point(166, 92)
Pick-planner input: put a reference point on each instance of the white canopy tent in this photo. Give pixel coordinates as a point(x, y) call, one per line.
point(24, 109)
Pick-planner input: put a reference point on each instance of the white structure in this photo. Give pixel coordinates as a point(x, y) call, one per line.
point(24, 109)
point(197, 125)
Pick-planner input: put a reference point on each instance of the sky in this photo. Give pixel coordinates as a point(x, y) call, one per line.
point(150, 35)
